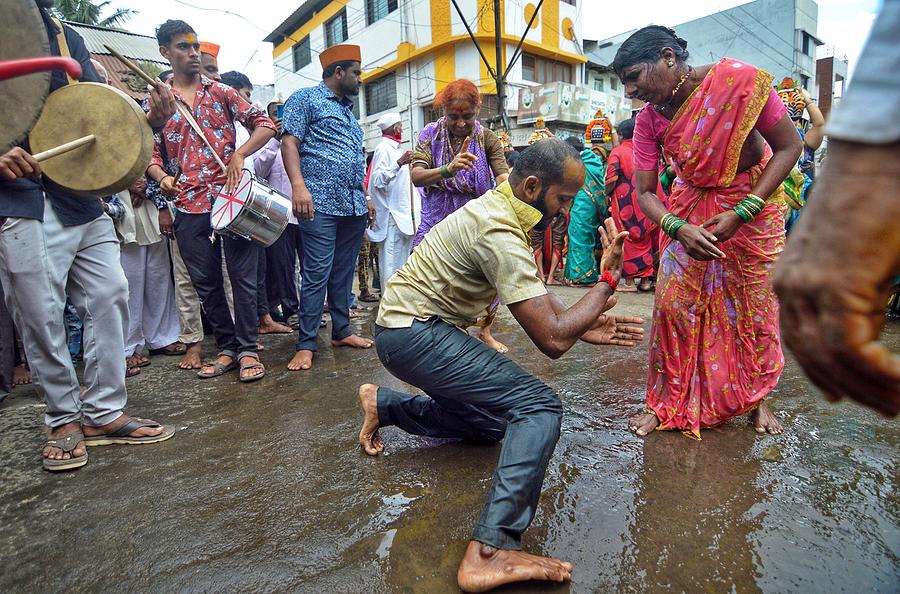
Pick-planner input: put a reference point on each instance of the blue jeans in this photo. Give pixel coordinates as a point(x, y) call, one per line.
point(473, 392)
point(330, 246)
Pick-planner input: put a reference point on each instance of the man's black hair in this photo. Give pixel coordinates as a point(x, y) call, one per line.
point(236, 80)
point(165, 74)
point(169, 29)
point(546, 160)
point(625, 129)
point(645, 46)
point(343, 65)
point(575, 142)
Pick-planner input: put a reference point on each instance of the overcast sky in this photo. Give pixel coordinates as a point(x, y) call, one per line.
point(842, 23)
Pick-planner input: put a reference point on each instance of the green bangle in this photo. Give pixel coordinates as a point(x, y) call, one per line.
point(670, 224)
point(445, 171)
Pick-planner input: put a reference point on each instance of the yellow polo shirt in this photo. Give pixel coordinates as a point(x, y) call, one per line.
point(479, 252)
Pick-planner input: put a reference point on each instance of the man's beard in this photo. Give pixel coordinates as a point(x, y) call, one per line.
point(541, 205)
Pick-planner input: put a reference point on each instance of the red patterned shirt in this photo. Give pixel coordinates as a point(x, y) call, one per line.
point(215, 107)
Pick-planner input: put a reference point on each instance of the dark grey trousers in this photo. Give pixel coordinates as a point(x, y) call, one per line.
point(474, 392)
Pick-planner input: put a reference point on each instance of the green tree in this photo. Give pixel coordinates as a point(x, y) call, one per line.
point(88, 12)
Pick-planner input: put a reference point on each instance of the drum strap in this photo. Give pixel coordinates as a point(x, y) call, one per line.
point(63, 45)
point(186, 114)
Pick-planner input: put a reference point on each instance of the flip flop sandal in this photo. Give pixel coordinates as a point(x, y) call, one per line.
point(132, 371)
point(137, 361)
point(120, 436)
point(218, 369)
point(253, 378)
point(67, 443)
point(173, 350)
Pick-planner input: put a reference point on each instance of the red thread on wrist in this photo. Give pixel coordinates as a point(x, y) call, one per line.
point(609, 280)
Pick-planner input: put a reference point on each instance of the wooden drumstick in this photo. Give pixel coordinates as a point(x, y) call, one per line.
point(132, 66)
point(64, 148)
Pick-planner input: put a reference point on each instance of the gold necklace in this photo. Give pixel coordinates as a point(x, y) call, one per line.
point(681, 80)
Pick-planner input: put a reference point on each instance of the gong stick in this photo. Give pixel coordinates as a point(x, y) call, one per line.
point(65, 148)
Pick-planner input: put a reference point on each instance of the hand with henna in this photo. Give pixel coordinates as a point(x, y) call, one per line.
point(836, 273)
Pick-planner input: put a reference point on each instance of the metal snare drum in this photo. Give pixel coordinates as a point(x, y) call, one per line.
point(253, 211)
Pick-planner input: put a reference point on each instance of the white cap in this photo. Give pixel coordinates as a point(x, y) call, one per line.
point(388, 120)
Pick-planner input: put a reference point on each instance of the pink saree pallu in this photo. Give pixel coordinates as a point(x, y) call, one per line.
point(715, 346)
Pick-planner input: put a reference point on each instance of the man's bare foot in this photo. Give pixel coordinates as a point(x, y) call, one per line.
point(21, 375)
point(191, 359)
point(357, 342)
point(484, 568)
point(53, 453)
point(368, 435)
point(487, 338)
point(269, 326)
point(643, 424)
point(301, 361)
point(764, 420)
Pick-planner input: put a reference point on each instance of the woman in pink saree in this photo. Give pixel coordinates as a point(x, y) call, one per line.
point(715, 347)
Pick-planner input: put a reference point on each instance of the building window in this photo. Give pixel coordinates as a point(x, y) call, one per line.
point(381, 94)
point(598, 84)
point(336, 29)
point(804, 81)
point(301, 54)
point(378, 9)
point(544, 71)
point(614, 84)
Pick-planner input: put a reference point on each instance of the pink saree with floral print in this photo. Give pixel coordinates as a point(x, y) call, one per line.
point(715, 346)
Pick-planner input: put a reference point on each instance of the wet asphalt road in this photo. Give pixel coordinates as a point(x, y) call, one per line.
point(265, 490)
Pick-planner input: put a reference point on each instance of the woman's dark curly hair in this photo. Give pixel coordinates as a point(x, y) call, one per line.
point(645, 46)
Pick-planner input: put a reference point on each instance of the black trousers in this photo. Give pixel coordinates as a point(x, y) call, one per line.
point(203, 260)
point(281, 280)
point(474, 392)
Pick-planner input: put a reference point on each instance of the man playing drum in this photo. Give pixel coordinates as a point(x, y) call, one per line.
point(214, 107)
point(50, 239)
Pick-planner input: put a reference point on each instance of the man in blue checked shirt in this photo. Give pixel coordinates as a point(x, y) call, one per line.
point(322, 147)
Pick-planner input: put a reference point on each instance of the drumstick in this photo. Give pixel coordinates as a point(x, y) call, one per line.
point(132, 66)
point(65, 148)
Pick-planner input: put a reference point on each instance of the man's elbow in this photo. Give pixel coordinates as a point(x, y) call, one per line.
point(552, 349)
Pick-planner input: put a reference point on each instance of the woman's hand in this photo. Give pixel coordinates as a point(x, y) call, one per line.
point(724, 225)
point(699, 243)
point(462, 161)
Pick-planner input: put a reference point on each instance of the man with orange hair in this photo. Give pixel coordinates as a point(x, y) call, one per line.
point(322, 148)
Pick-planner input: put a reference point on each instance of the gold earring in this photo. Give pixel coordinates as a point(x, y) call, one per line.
point(671, 64)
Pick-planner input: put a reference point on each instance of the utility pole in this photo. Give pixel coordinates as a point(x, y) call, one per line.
point(500, 77)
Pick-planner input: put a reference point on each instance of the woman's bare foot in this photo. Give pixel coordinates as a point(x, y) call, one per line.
point(357, 342)
point(110, 427)
point(368, 435)
point(764, 420)
point(487, 338)
point(484, 568)
point(191, 359)
point(21, 376)
point(627, 286)
point(301, 361)
point(53, 453)
point(269, 326)
point(643, 424)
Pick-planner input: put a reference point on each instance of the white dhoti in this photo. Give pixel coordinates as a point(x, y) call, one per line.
point(153, 317)
point(393, 251)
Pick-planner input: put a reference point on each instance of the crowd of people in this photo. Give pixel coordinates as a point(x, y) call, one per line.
point(692, 198)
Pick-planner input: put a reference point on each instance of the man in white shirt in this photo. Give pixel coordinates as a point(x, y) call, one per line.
point(391, 193)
